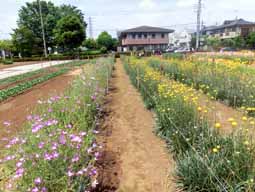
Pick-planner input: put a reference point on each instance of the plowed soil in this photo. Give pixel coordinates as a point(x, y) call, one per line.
point(135, 159)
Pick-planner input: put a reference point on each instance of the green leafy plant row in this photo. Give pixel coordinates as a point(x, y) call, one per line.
point(20, 88)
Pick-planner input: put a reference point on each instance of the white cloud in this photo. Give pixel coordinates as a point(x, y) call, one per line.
point(147, 4)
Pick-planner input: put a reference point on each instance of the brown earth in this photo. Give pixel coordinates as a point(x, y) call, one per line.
point(17, 108)
point(135, 159)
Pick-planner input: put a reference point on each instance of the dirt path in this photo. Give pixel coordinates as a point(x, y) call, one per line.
point(135, 160)
point(16, 109)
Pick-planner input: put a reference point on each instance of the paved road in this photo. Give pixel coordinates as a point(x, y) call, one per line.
point(9, 72)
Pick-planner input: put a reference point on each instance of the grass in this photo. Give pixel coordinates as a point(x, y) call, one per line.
point(57, 150)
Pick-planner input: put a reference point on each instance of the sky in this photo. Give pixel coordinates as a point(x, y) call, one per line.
point(116, 15)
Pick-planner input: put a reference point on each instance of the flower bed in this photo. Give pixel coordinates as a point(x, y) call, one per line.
point(206, 161)
point(57, 150)
point(232, 83)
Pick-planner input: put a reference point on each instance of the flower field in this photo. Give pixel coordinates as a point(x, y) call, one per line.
point(205, 159)
point(57, 150)
point(229, 81)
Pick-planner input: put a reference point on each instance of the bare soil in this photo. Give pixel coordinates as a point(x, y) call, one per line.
point(134, 159)
point(17, 108)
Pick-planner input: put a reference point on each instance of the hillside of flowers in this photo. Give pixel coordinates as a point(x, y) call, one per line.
point(57, 150)
point(205, 159)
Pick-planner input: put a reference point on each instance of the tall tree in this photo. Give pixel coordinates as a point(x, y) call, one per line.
point(105, 40)
point(90, 43)
point(70, 32)
point(29, 21)
point(25, 41)
point(29, 17)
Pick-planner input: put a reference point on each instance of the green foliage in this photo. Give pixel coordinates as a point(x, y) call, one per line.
point(24, 41)
point(90, 44)
point(103, 49)
point(105, 40)
point(28, 36)
point(251, 40)
point(6, 45)
point(228, 43)
point(70, 32)
point(213, 42)
point(7, 61)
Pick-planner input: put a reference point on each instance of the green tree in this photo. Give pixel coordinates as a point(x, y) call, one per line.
point(251, 40)
point(228, 43)
point(90, 43)
point(105, 40)
point(24, 41)
point(213, 42)
point(239, 42)
point(6, 45)
point(29, 19)
point(69, 32)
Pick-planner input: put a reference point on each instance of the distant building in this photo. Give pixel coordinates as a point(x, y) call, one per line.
point(180, 39)
point(230, 29)
point(145, 38)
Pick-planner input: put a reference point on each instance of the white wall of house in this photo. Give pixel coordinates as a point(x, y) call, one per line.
point(180, 39)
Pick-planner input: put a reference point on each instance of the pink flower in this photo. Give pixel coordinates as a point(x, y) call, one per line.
point(19, 164)
point(38, 181)
point(62, 139)
point(76, 139)
point(36, 189)
point(70, 174)
point(7, 123)
point(75, 158)
point(41, 145)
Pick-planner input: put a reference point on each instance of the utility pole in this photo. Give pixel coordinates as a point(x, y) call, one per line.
point(90, 28)
point(198, 23)
point(43, 32)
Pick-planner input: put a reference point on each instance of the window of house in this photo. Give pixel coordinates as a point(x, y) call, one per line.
point(140, 36)
point(162, 35)
point(133, 36)
point(153, 36)
point(145, 36)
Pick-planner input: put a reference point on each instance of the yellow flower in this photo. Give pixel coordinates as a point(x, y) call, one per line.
point(252, 123)
point(246, 142)
point(234, 124)
point(218, 147)
point(244, 118)
point(231, 119)
point(199, 109)
point(217, 125)
point(215, 150)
